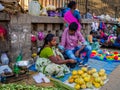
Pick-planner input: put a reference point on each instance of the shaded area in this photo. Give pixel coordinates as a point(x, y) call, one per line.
point(114, 80)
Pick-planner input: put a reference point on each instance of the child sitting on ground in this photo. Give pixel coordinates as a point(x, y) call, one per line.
point(93, 41)
point(111, 40)
point(103, 38)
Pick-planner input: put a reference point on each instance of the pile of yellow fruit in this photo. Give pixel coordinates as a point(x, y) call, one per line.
point(85, 78)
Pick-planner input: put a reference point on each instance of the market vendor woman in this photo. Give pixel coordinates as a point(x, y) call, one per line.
point(50, 61)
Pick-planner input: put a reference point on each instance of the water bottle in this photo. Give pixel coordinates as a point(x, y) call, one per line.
point(4, 59)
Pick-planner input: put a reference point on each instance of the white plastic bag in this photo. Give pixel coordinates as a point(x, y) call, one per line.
point(107, 17)
point(34, 8)
point(1, 7)
point(44, 12)
point(4, 59)
point(102, 17)
point(4, 67)
point(39, 78)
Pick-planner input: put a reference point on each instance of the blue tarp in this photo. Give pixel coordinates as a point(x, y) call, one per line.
point(108, 66)
point(116, 44)
point(93, 63)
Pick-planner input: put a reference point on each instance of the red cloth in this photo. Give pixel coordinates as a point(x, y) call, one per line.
point(2, 31)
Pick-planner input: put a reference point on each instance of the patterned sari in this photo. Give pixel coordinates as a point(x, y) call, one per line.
point(49, 68)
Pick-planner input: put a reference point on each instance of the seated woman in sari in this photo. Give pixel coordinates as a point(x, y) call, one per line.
point(50, 63)
point(72, 15)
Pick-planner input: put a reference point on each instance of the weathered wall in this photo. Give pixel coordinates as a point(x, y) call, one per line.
point(21, 27)
point(4, 21)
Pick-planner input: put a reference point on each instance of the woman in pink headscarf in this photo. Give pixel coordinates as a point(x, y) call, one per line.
point(72, 15)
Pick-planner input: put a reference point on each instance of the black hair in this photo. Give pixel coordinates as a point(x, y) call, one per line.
point(73, 26)
point(71, 4)
point(47, 39)
point(118, 25)
point(92, 32)
point(88, 9)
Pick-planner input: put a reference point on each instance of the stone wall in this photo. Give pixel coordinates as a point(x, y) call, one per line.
point(20, 28)
point(4, 21)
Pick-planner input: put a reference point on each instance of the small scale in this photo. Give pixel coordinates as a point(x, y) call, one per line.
point(10, 77)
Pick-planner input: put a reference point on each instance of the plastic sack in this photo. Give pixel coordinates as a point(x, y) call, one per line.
point(4, 59)
point(44, 12)
point(1, 7)
point(33, 38)
point(51, 8)
point(34, 8)
point(2, 31)
point(102, 17)
point(107, 17)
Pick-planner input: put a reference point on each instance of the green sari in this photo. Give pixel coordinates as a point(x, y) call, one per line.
point(49, 68)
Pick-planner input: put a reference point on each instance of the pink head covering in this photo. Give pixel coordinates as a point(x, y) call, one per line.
point(69, 18)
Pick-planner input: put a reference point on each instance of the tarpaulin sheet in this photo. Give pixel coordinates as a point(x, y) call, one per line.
point(93, 63)
point(108, 66)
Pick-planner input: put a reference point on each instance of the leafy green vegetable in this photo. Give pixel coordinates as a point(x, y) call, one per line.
point(24, 87)
point(60, 85)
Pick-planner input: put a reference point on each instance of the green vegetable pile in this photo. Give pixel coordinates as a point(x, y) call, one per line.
point(24, 87)
point(58, 85)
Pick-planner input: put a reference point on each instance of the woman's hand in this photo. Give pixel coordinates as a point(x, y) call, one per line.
point(60, 61)
point(71, 61)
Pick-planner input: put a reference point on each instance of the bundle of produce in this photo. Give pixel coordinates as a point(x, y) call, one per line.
point(44, 12)
point(51, 8)
point(85, 78)
point(11, 6)
point(57, 85)
point(60, 85)
point(24, 87)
